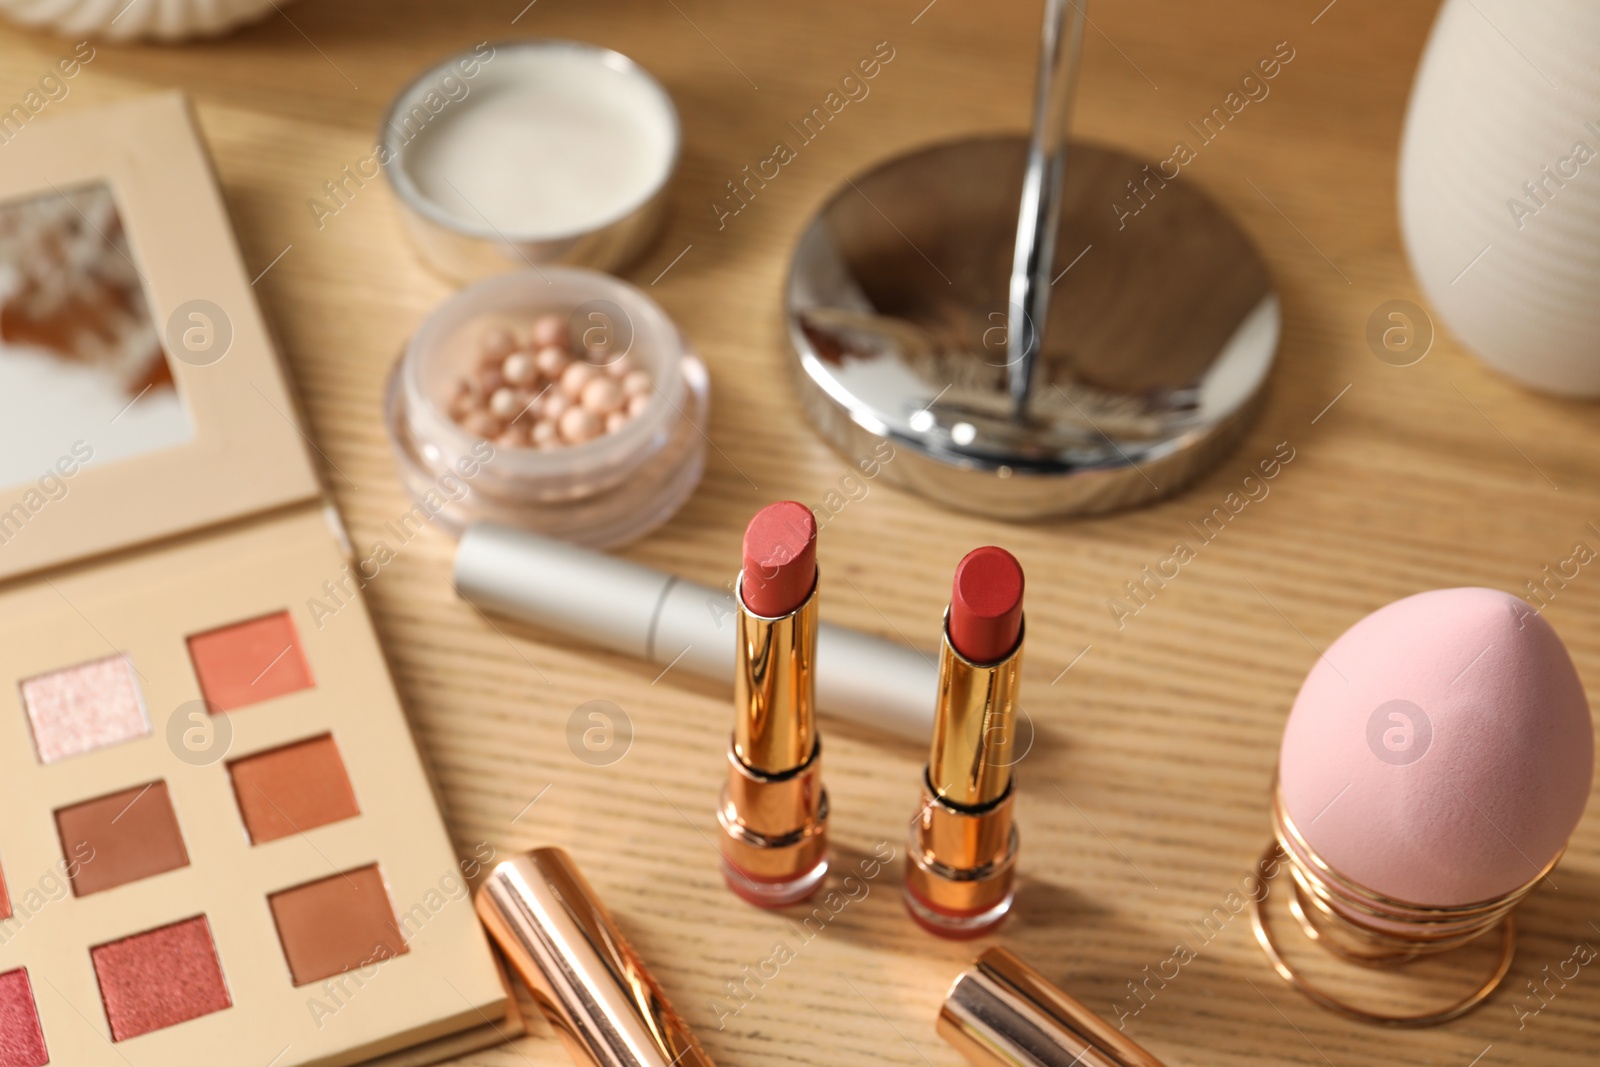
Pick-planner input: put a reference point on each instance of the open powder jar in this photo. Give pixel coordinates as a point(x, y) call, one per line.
point(521, 153)
point(560, 400)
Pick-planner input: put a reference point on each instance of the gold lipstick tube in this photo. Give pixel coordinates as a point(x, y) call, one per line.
point(1003, 1013)
point(588, 982)
point(963, 847)
point(774, 810)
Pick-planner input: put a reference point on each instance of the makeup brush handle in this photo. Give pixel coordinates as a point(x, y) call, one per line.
point(681, 625)
point(1040, 216)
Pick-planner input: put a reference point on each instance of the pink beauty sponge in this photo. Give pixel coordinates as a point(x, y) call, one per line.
point(1441, 751)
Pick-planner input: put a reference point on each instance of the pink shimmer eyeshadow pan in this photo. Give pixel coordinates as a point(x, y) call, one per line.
point(160, 978)
point(249, 662)
point(21, 1039)
point(83, 708)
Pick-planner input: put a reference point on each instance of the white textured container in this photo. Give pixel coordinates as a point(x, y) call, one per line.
point(124, 20)
point(1500, 185)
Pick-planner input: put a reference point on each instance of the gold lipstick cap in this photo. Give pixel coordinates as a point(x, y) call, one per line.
point(1003, 1013)
point(586, 979)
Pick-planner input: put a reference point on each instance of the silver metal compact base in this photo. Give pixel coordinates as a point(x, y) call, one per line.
point(1162, 326)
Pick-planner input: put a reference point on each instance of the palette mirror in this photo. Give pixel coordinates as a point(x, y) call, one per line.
point(82, 370)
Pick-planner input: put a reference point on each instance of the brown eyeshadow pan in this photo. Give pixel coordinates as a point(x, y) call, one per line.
point(120, 838)
point(336, 924)
point(291, 789)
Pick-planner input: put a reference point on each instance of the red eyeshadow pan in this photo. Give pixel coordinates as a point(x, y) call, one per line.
point(5, 907)
point(21, 1039)
point(160, 978)
point(292, 789)
point(249, 662)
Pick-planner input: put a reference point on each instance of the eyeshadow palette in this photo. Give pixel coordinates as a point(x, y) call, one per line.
point(221, 845)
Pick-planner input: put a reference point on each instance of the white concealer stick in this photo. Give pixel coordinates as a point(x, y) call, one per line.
point(664, 620)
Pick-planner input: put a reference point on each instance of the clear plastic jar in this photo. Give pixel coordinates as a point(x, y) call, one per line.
point(603, 492)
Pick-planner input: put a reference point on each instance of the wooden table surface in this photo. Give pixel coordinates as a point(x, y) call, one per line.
point(1144, 801)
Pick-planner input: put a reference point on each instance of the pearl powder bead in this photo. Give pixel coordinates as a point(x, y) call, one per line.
point(637, 383)
point(503, 403)
point(578, 425)
point(482, 424)
point(518, 369)
point(539, 396)
point(602, 396)
point(551, 361)
point(498, 343)
point(550, 330)
point(575, 377)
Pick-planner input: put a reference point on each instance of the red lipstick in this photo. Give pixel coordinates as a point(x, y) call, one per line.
point(961, 864)
point(774, 810)
point(986, 604)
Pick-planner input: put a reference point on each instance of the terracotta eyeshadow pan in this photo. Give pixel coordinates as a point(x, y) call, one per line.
point(249, 662)
point(120, 838)
point(5, 904)
point(160, 978)
point(21, 1039)
point(336, 924)
point(292, 789)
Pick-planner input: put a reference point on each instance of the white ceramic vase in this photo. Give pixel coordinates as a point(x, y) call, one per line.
point(1500, 185)
point(121, 20)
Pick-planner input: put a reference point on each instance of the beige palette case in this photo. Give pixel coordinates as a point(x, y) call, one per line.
point(213, 800)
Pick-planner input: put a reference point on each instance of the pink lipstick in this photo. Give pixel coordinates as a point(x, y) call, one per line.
point(774, 811)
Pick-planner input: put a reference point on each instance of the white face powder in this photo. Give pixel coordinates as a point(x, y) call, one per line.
point(547, 142)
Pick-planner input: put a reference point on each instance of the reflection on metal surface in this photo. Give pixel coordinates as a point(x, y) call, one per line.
point(774, 810)
point(1039, 220)
point(961, 863)
point(595, 992)
point(775, 723)
point(975, 726)
point(1159, 340)
point(1003, 1013)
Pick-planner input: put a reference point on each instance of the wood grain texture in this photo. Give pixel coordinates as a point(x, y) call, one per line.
point(1144, 800)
